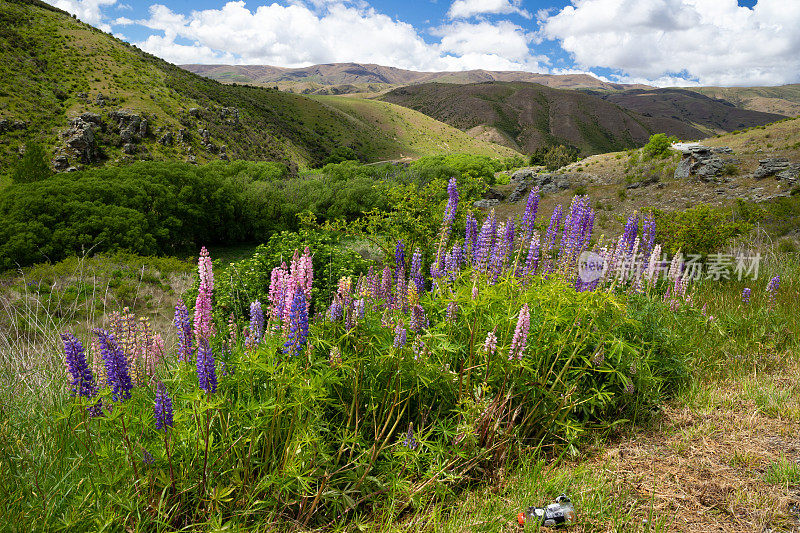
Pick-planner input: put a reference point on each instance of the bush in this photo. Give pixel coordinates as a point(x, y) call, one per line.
point(699, 230)
point(658, 147)
point(33, 165)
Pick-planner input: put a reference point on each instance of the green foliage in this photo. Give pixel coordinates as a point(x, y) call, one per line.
point(699, 230)
point(558, 156)
point(340, 154)
point(322, 437)
point(33, 165)
point(658, 146)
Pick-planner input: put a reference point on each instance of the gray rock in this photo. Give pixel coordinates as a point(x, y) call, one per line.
point(10, 125)
point(204, 135)
point(132, 127)
point(230, 115)
point(60, 163)
point(699, 162)
point(166, 139)
point(493, 194)
point(100, 100)
point(92, 118)
point(80, 141)
point(485, 204)
point(129, 148)
point(184, 136)
point(789, 175)
point(770, 167)
point(195, 112)
point(82, 96)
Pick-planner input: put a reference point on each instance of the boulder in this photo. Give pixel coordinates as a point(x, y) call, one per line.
point(493, 194)
point(132, 127)
point(100, 100)
point(230, 115)
point(60, 163)
point(485, 204)
point(80, 141)
point(184, 136)
point(702, 163)
point(771, 166)
point(166, 139)
point(195, 112)
point(92, 118)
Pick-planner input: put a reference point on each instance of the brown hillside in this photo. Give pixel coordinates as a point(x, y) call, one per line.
point(532, 116)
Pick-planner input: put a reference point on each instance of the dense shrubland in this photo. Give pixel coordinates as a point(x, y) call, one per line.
point(156, 208)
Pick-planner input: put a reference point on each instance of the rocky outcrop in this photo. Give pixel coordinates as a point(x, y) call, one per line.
point(132, 127)
point(79, 140)
point(10, 125)
point(780, 167)
point(230, 115)
point(167, 139)
point(528, 177)
point(704, 163)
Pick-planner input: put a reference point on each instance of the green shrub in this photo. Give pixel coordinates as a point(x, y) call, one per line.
point(33, 165)
point(698, 230)
point(658, 147)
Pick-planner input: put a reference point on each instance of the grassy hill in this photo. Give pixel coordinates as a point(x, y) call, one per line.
point(419, 133)
point(54, 69)
point(528, 116)
point(711, 115)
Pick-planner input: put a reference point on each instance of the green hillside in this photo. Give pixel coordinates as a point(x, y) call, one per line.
point(419, 134)
point(91, 99)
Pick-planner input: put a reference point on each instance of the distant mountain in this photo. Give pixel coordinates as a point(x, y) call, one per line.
point(355, 74)
point(91, 99)
point(711, 115)
point(783, 100)
point(527, 116)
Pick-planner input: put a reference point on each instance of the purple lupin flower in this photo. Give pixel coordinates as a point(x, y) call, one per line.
point(162, 408)
point(206, 367)
point(485, 241)
point(490, 344)
point(298, 320)
point(452, 312)
point(400, 336)
point(772, 289)
point(452, 203)
point(419, 319)
point(335, 310)
point(399, 255)
point(631, 227)
point(116, 363)
point(83, 384)
point(533, 256)
point(256, 322)
point(386, 287)
point(648, 234)
point(185, 332)
point(520, 340)
point(410, 442)
point(416, 271)
point(746, 295)
point(531, 208)
point(552, 229)
point(470, 237)
point(508, 241)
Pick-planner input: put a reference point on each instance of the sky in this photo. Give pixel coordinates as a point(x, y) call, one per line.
point(657, 42)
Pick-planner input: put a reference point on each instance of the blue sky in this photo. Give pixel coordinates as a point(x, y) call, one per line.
point(659, 42)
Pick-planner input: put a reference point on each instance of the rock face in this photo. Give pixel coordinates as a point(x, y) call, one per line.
point(132, 127)
point(79, 140)
point(230, 115)
point(528, 177)
point(703, 162)
point(780, 167)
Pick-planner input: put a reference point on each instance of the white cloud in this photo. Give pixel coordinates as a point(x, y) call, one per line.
point(298, 35)
point(471, 8)
point(498, 46)
point(711, 42)
point(89, 11)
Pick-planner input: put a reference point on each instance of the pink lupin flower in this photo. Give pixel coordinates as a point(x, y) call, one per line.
point(277, 291)
point(203, 327)
point(520, 340)
point(490, 344)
